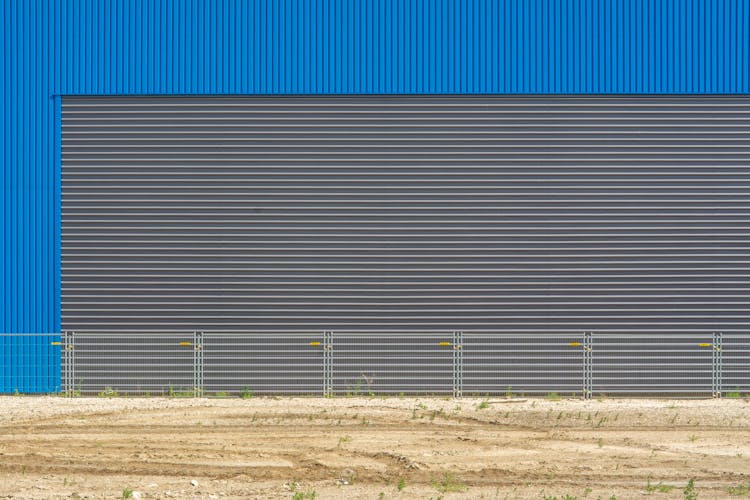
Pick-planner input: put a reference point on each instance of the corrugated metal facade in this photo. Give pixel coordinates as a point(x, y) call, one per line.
point(406, 214)
point(310, 47)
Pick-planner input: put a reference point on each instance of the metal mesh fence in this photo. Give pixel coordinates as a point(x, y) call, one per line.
point(30, 363)
point(736, 365)
point(522, 364)
point(148, 364)
point(243, 365)
point(365, 364)
point(331, 363)
point(680, 365)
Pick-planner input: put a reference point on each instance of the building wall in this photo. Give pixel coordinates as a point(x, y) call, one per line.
point(125, 47)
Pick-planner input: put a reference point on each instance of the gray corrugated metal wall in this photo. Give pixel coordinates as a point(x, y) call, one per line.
point(406, 214)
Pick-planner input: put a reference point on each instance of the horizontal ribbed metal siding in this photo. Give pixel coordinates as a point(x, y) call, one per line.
point(406, 214)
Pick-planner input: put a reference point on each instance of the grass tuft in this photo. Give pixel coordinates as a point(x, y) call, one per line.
point(401, 484)
point(449, 484)
point(247, 393)
point(741, 490)
point(552, 396)
point(108, 392)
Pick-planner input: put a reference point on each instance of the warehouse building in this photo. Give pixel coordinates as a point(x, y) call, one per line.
point(450, 196)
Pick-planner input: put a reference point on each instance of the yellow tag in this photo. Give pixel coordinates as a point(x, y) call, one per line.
point(445, 343)
point(56, 343)
point(314, 344)
point(704, 345)
point(574, 344)
point(186, 344)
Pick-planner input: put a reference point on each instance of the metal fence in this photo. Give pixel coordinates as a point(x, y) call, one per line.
point(339, 364)
point(30, 363)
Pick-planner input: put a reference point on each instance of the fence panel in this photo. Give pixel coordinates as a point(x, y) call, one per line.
point(522, 364)
point(365, 364)
point(144, 364)
point(736, 364)
point(244, 364)
point(642, 365)
point(30, 363)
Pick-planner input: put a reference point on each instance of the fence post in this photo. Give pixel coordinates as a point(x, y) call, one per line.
point(68, 362)
point(327, 364)
point(458, 364)
point(197, 364)
point(716, 365)
point(64, 363)
point(588, 349)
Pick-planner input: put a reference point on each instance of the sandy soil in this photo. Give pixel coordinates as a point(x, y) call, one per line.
point(371, 448)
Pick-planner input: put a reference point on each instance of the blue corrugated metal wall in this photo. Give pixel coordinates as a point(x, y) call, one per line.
point(312, 47)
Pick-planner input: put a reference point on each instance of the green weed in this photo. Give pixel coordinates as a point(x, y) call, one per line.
point(659, 487)
point(741, 490)
point(108, 392)
point(309, 495)
point(689, 491)
point(247, 393)
point(449, 484)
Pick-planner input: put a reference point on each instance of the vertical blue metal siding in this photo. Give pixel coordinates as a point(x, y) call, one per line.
point(401, 47)
point(314, 47)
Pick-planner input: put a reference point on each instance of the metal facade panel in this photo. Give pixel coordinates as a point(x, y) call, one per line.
point(401, 47)
point(129, 47)
point(406, 214)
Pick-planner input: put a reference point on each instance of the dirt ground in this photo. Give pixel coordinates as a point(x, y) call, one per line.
point(302, 448)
